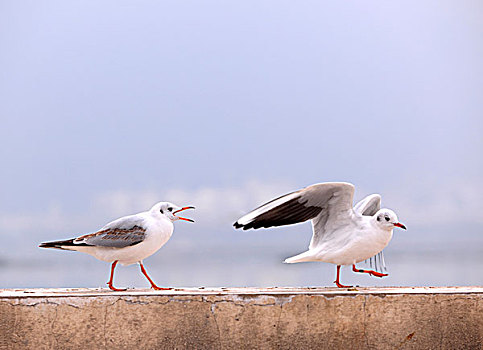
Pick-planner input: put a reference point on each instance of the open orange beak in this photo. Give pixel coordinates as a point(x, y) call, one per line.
point(179, 217)
point(398, 224)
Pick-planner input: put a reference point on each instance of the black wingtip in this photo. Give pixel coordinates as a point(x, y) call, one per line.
point(58, 244)
point(48, 245)
point(243, 226)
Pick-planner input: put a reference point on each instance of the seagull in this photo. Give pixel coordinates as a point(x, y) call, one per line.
point(342, 234)
point(129, 239)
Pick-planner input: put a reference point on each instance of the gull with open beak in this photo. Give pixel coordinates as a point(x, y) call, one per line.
point(342, 234)
point(129, 239)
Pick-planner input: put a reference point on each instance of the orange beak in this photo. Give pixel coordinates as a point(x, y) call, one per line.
point(179, 217)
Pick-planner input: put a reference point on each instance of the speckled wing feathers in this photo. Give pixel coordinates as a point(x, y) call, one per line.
point(114, 237)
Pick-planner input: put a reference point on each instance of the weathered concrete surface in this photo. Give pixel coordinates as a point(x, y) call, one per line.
point(243, 318)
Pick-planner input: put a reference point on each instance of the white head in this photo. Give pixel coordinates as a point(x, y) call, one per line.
point(387, 219)
point(169, 210)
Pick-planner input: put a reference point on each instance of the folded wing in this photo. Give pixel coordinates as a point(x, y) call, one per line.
point(121, 233)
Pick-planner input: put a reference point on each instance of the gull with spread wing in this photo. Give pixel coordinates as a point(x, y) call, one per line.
point(342, 234)
point(129, 239)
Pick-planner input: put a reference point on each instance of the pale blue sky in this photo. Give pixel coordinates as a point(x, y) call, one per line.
point(107, 106)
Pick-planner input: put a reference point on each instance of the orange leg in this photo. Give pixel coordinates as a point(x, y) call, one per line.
point(370, 272)
point(337, 279)
point(153, 285)
point(113, 266)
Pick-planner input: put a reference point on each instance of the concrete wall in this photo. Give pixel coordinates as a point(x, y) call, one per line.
point(243, 318)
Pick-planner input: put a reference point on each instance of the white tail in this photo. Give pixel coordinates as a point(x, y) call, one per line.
point(305, 256)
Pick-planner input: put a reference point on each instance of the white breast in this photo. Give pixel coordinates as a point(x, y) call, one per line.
point(352, 247)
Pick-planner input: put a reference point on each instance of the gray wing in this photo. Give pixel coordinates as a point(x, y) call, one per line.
point(120, 233)
point(336, 214)
point(327, 199)
point(369, 205)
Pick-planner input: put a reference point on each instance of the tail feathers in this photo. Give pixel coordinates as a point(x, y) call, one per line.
point(61, 244)
point(303, 257)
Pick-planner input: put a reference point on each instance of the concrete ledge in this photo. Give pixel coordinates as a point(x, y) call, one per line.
point(243, 318)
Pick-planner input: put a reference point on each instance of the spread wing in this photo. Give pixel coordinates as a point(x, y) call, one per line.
point(369, 205)
point(329, 200)
point(120, 233)
point(336, 215)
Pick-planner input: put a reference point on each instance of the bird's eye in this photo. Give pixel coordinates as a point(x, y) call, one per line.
point(170, 209)
point(378, 218)
point(161, 211)
point(387, 218)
